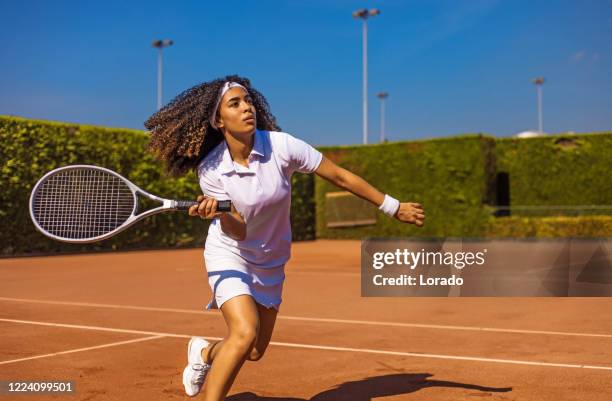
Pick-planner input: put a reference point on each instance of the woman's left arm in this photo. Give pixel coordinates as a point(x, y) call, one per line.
point(408, 212)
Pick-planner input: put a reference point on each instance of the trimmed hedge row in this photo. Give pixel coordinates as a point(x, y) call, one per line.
point(566, 169)
point(302, 207)
point(451, 177)
point(30, 148)
point(550, 227)
point(454, 178)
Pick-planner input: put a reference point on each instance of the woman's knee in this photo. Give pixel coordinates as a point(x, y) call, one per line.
point(243, 337)
point(242, 319)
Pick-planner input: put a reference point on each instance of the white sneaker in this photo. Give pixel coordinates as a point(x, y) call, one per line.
point(195, 372)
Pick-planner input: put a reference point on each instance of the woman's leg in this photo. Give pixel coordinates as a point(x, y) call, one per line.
point(242, 319)
point(267, 319)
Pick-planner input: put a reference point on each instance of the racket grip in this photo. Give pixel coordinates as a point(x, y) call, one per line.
point(184, 205)
point(222, 206)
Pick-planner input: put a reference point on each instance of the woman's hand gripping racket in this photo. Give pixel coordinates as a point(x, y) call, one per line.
point(82, 204)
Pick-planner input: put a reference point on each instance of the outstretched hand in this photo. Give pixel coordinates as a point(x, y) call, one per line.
point(412, 213)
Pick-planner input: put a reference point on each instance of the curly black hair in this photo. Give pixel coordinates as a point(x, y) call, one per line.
point(181, 134)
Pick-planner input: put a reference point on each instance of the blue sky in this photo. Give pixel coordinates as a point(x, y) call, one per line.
point(450, 67)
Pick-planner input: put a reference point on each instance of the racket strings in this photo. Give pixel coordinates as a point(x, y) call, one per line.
point(82, 203)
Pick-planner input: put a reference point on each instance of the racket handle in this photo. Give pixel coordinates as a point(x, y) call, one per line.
point(222, 206)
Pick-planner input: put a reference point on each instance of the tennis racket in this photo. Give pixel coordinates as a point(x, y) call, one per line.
point(82, 204)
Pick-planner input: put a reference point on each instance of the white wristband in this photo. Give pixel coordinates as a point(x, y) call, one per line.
point(390, 206)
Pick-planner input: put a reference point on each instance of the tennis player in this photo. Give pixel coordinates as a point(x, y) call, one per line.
point(224, 130)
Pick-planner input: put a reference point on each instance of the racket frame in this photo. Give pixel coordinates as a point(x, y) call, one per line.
point(166, 205)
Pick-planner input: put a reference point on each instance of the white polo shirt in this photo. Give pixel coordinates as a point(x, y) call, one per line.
point(261, 193)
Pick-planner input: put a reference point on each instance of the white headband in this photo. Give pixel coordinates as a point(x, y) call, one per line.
point(226, 86)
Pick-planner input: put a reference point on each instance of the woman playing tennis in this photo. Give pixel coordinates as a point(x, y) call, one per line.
point(224, 130)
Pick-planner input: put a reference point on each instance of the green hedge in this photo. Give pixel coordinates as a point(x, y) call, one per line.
point(450, 177)
point(30, 148)
point(550, 227)
point(302, 207)
point(454, 179)
point(566, 169)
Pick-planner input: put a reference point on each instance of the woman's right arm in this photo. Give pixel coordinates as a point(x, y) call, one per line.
point(408, 212)
point(232, 222)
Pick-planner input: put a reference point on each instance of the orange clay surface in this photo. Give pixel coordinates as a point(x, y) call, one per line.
point(117, 324)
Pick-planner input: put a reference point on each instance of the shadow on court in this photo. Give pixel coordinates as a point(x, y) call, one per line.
point(372, 387)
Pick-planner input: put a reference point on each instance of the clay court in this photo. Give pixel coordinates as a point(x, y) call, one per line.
point(117, 324)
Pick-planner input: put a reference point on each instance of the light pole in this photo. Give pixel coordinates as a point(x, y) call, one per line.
point(160, 44)
point(364, 14)
point(538, 83)
point(382, 96)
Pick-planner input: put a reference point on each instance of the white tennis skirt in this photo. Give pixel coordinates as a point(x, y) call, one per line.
point(228, 279)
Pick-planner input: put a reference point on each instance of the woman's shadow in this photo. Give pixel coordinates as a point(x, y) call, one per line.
point(372, 387)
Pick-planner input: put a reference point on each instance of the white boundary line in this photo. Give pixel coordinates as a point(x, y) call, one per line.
point(318, 347)
point(112, 306)
point(437, 356)
point(319, 320)
point(448, 327)
point(81, 349)
point(99, 328)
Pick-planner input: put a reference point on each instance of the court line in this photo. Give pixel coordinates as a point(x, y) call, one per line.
point(99, 328)
point(449, 327)
point(327, 273)
point(319, 320)
point(328, 348)
point(438, 356)
point(81, 349)
point(112, 306)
